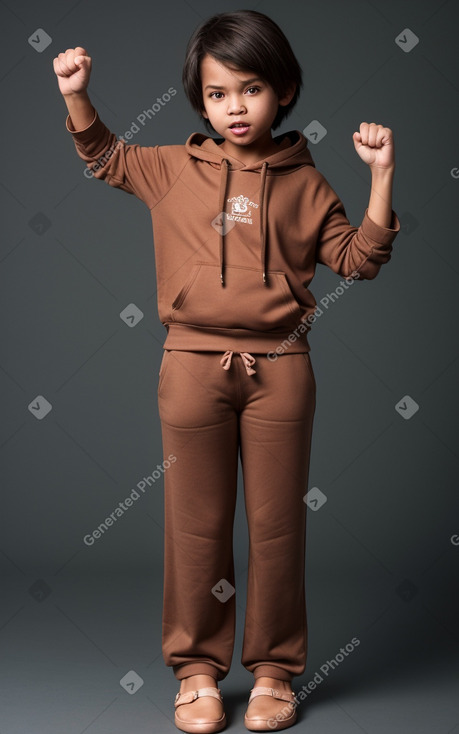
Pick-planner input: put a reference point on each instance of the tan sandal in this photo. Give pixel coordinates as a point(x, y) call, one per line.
point(199, 726)
point(285, 717)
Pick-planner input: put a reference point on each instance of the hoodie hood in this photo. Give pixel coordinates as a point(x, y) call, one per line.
point(293, 154)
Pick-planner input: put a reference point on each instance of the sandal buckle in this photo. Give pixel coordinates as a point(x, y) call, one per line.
point(187, 693)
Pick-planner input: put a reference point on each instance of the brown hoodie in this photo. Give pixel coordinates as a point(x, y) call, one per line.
point(236, 245)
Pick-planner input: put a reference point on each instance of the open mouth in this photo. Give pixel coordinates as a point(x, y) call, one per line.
point(239, 127)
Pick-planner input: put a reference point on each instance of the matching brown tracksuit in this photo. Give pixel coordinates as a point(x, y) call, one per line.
point(236, 247)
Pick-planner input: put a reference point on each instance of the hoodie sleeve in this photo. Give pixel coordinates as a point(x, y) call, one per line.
point(346, 249)
point(138, 170)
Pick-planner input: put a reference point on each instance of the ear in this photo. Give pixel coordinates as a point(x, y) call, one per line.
point(204, 114)
point(288, 96)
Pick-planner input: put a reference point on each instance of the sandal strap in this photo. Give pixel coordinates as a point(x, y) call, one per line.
point(191, 696)
point(274, 692)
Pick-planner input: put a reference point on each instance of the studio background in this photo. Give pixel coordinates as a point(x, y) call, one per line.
point(382, 551)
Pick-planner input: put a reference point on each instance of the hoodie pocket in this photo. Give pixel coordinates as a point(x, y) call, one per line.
point(244, 302)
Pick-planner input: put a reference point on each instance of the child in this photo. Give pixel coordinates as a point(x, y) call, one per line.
point(239, 223)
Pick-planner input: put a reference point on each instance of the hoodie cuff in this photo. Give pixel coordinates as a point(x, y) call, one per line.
point(380, 236)
point(88, 132)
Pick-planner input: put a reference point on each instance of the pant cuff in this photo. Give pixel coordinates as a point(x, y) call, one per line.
point(272, 671)
point(187, 669)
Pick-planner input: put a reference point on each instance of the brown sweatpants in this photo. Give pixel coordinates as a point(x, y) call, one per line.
point(208, 413)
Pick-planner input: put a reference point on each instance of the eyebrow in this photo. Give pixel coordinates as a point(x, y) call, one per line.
point(243, 83)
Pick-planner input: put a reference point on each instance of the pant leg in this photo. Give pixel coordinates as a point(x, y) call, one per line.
point(275, 433)
point(199, 427)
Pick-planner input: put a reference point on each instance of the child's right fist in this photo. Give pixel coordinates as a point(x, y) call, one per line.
point(73, 69)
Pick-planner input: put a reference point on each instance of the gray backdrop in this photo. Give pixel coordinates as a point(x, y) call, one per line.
point(80, 625)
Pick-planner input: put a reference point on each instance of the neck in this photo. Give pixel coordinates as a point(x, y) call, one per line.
point(252, 153)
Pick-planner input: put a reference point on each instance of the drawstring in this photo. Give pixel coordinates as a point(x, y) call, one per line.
point(246, 358)
point(223, 182)
point(263, 217)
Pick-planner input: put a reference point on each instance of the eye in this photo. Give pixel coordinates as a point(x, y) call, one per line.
point(255, 89)
point(211, 95)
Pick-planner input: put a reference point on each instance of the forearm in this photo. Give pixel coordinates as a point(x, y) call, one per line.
point(80, 109)
point(380, 205)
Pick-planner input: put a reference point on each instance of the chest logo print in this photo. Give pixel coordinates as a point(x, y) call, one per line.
point(241, 209)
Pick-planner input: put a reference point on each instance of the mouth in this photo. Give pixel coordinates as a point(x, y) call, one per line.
point(239, 128)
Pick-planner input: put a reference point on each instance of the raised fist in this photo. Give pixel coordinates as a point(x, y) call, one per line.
point(73, 69)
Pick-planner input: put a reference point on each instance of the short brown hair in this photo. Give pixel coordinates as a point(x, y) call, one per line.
point(249, 41)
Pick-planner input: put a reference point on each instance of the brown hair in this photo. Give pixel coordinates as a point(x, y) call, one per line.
point(249, 41)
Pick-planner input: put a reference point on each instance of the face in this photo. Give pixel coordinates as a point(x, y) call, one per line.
point(240, 106)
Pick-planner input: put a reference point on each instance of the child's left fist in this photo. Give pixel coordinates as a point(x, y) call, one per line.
point(375, 145)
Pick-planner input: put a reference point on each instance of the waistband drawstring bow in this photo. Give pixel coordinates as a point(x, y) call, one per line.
point(246, 358)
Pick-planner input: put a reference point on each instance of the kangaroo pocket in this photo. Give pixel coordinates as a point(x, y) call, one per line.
point(244, 302)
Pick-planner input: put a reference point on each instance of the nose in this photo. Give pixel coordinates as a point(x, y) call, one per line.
point(235, 105)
